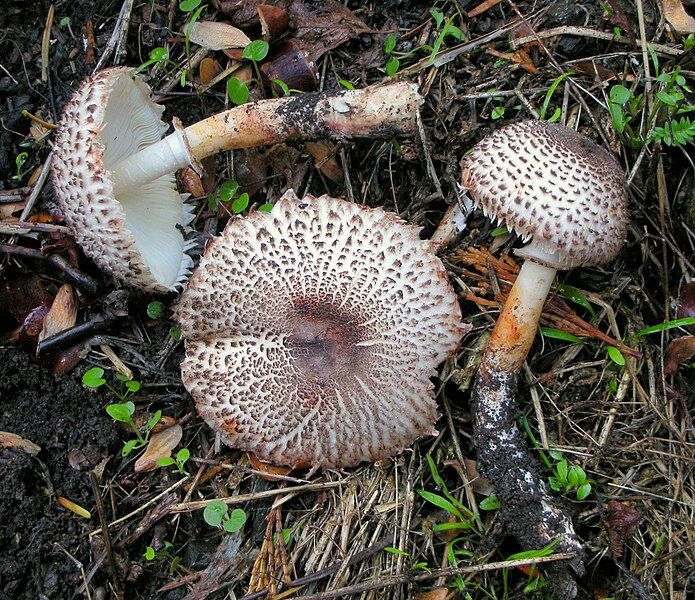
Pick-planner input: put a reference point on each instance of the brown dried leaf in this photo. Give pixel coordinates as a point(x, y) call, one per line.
point(324, 155)
point(324, 26)
point(620, 521)
point(12, 440)
point(161, 444)
point(62, 314)
point(438, 594)
point(479, 484)
point(678, 352)
point(209, 69)
point(244, 13)
point(686, 304)
point(290, 66)
point(675, 14)
point(274, 21)
point(217, 36)
point(268, 471)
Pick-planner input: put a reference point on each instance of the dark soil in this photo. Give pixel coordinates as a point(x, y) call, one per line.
point(75, 435)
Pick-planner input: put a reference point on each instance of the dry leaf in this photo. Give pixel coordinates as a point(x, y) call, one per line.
point(620, 520)
point(217, 36)
point(274, 20)
point(678, 352)
point(161, 444)
point(268, 471)
point(686, 304)
point(12, 440)
point(479, 484)
point(76, 508)
point(324, 155)
point(675, 14)
point(62, 314)
point(438, 594)
point(209, 69)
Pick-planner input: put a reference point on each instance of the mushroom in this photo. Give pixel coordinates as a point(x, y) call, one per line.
point(569, 197)
point(312, 332)
point(113, 172)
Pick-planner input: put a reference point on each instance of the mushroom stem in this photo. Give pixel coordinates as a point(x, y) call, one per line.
point(503, 455)
point(516, 326)
point(383, 111)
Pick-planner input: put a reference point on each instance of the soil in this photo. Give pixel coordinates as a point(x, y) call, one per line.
point(75, 434)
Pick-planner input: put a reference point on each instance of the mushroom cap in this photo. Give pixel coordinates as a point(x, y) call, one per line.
point(134, 236)
point(554, 185)
point(312, 332)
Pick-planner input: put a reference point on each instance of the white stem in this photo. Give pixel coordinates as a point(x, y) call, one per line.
point(166, 156)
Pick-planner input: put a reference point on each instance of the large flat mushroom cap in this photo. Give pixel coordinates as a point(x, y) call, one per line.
point(311, 333)
point(133, 237)
point(554, 185)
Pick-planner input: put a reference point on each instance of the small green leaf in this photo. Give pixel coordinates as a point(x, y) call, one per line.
point(149, 553)
point(392, 65)
point(175, 334)
point(573, 477)
point(438, 17)
point(620, 94)
point(396, 551)
point(267, 207)
point(390, 44)
point(284, 88)
point(664, 326)
point(490, 503)
point(155, 309)
point(189, 5)
point(558, 334)
point(615, 355)
point(183, 455)
point(561, 470)
point(441, 503)
point(132, 385)
point(240, 204)
point(497, 112)
point(237, 91)
point(456, 526)
point(228, 190)
point(64, 22)
point(575, 295)
point(583, 491)
point(165, 461)
point(159, 54)
point(236, 521)
point(256, 50)
point(346, 84)
point(498, 231)
point(214, 513)
point(93, 378)
point(119, 412)
point(153, 420)
point(128, 447)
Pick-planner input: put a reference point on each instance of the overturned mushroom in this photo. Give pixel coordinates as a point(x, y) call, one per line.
point(114, 174)
point(311, 333)
point(569, 197)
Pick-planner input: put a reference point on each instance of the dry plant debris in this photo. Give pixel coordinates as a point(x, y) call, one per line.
point(610, 419)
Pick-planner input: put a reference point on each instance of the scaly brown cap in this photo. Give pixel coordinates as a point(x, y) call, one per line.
point(312, 333)
point(553, 185)
point(133, 237)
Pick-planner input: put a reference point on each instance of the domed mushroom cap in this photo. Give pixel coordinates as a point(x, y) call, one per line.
point(311, 333)
point(553, 185)
point(132, 236)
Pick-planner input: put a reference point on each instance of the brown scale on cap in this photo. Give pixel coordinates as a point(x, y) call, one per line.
point(312, 332)
point(551, 184)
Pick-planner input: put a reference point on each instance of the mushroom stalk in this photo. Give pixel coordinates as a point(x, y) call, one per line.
point(372, 112)
point(516, 326)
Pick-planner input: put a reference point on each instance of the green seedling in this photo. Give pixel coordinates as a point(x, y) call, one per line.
point(684, 322)
point(237, 91)
point(256, 51)
point(155, 309)
point(216, 514)
point(568, 478)
point(19, 161)
point(392, 63)
point(346, 84)
point(124, 410)
point(228, 195)
point(164, 554)
point(178, 461)
point(158, 56)
point(175, 333)
point(557, 113)
point(490, 503)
